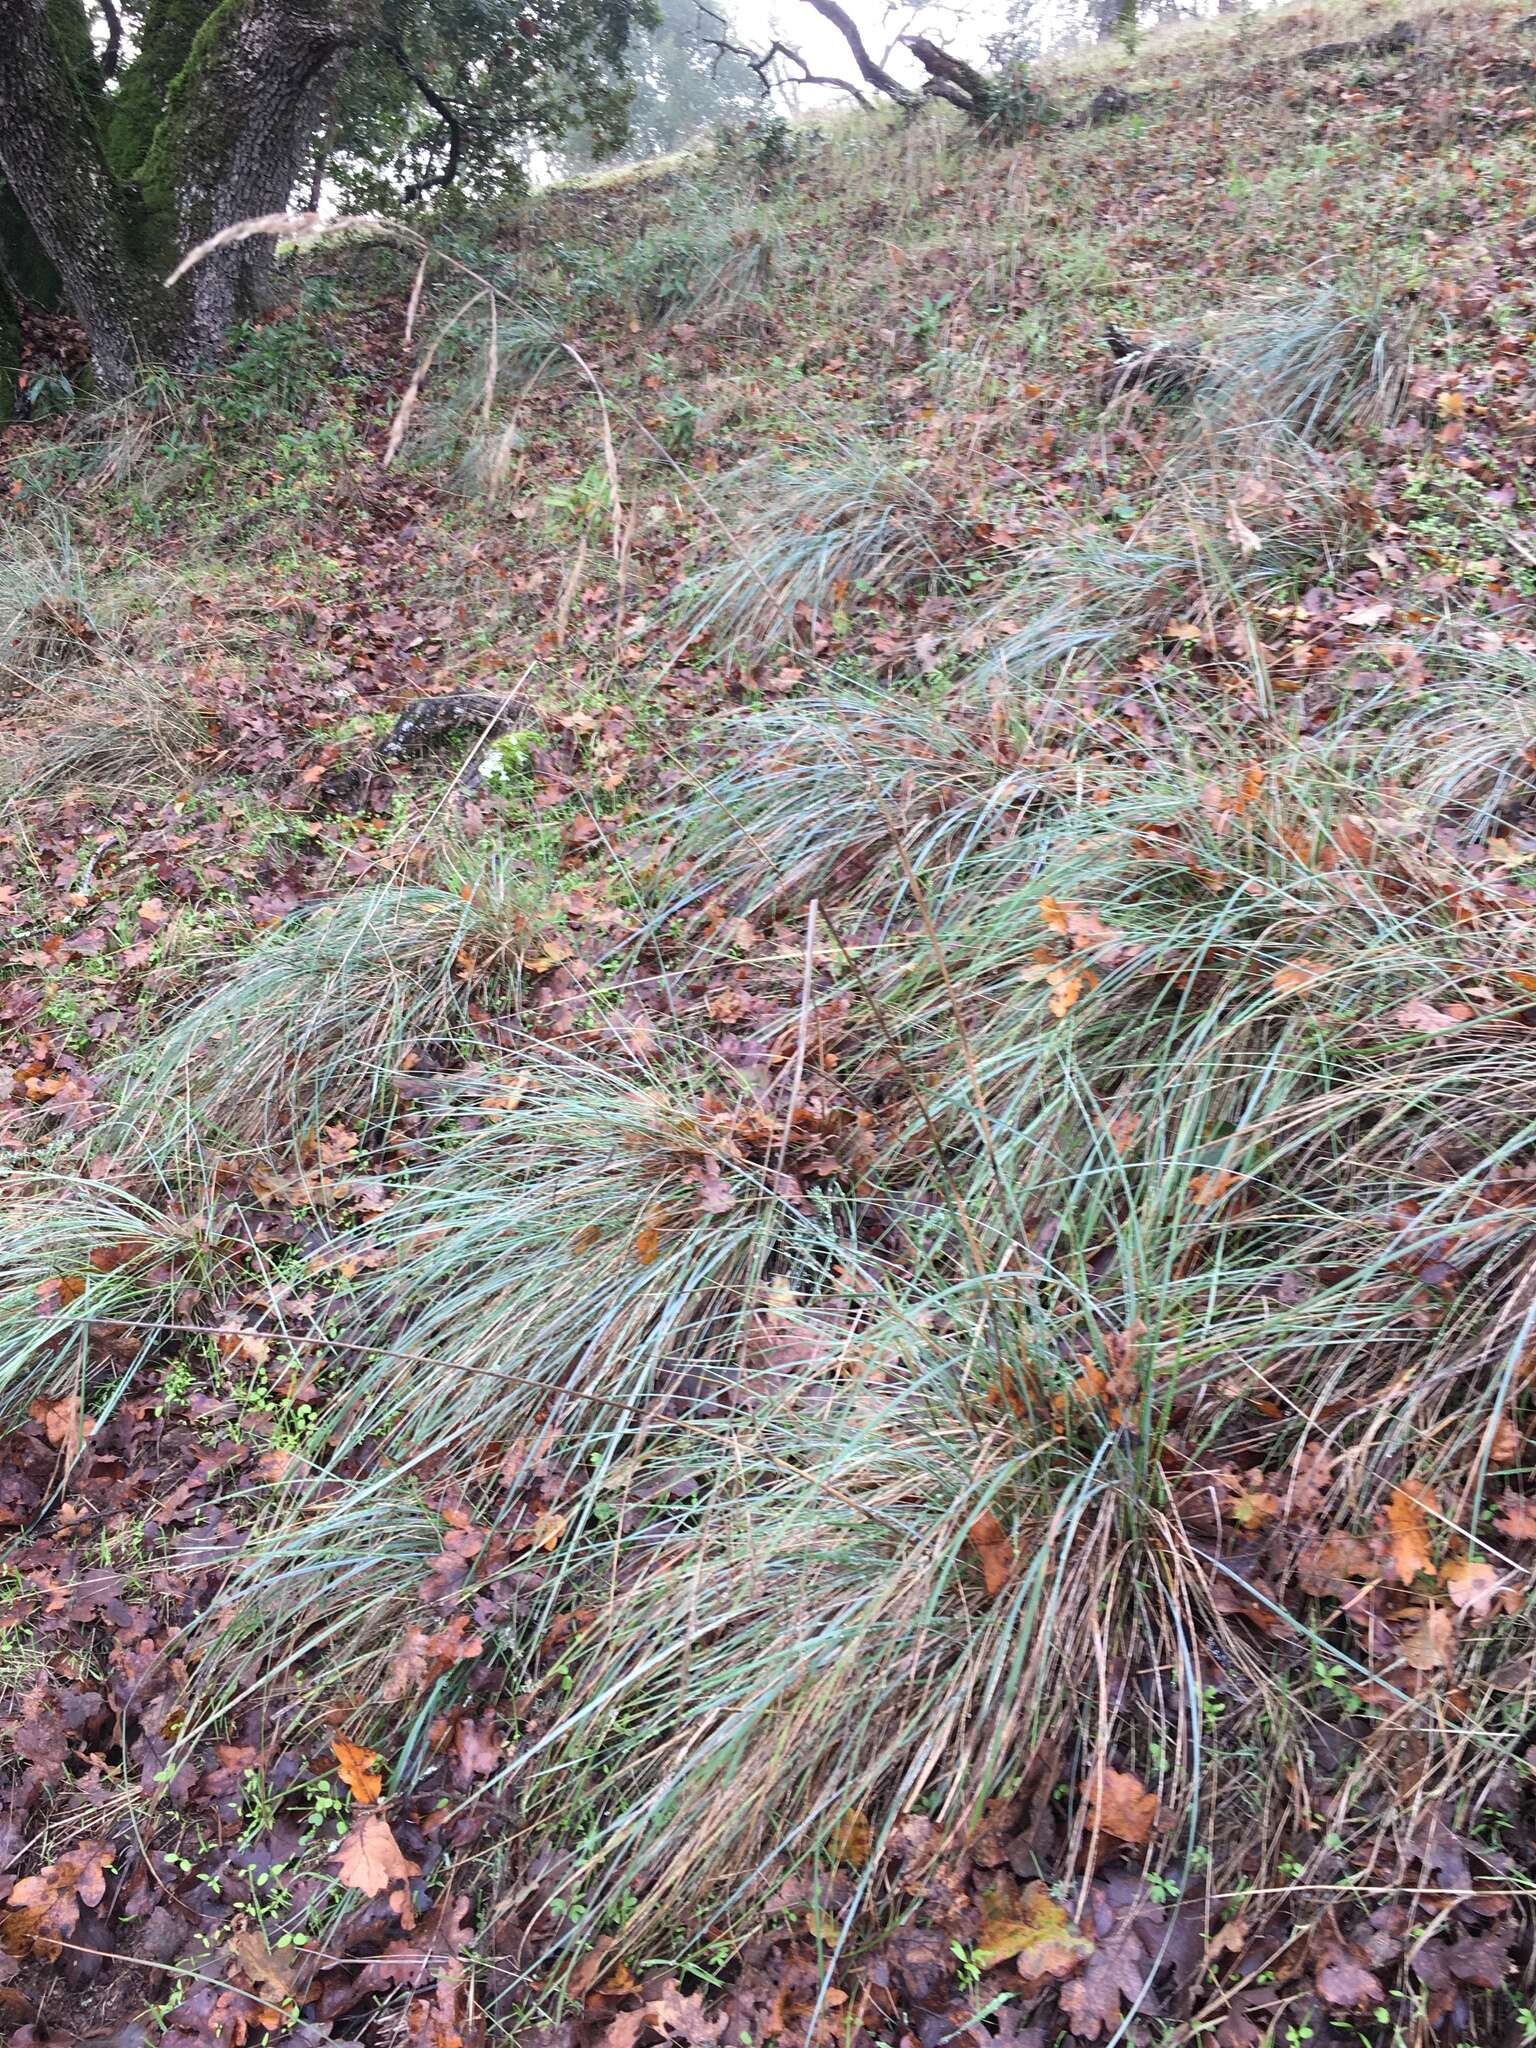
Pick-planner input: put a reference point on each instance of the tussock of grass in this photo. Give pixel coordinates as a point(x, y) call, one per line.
point(711, 270)
point(1463, 750)
point(312, 1027)
point(112, 731)
point(49, 616)
point(78, 709)
point(1248, 500)
point(1185, 1157)
point(817, 798)
point(803, 538)
point(1314, 364)
point(88, 1281)
point(567, 1280)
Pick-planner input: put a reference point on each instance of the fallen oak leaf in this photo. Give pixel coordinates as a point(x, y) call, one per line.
point(1408, 1528)
point(1296, 975)
point(1516, 1518)
point(422, 1657)
point(1431, 1645)
point(369, 1859)
point(42, 1911)
point(1206, 1189)
point(1120, 1805)
point(1419, 1014)
point(1344, 1982)
point(271, 1973)
point(1472, 1586)
point(994, 1553)
point(1034, 1930)
point(357, 1769)
point(672, 2012)
point(65, 1427)
point(1115, 1971)
point(852, 1839)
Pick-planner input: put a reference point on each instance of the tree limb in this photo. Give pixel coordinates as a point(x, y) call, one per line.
point(761, 62)
point(444, 112)
point(113, 50)
point(872, 73)
point(950, 78)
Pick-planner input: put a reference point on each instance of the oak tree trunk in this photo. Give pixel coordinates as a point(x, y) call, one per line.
point(226, 145)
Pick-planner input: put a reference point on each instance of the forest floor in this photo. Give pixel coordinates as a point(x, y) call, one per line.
point(821, 1327)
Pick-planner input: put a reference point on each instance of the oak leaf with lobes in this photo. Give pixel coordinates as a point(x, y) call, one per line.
point(994, 1553)
point(370, 1859)
point(358, 1769)
point(1408, 1527)
point(1116, 1972)
point(1033, 1929)
point(42, 1911)
point(1120, 1805)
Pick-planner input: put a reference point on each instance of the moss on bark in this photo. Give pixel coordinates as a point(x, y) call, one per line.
point(170, 29)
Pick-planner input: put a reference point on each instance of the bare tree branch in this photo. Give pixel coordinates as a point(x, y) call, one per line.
point(761, 62)
point(444, 112)
point(114, 44)
point(870, 71)
point(950, 78)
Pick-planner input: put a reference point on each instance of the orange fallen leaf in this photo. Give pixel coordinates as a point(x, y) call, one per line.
point(42, 1911)
point(370, 1859)
point(272, 1973)
point(1034, 1930)
point(358, 1769)
point(1122, 1128)
point(1517, 1518)
point(994, 1553)
point(1120, 1805)
point(1296, 975)
point(1066, 989)
point(1430, 1645)
point(852, 1839)
point(65, 1427)
point(1409, 1530)
point(1420, 1014)
point(548, 1528)
point(1250, 1503)
point(1206, 1189)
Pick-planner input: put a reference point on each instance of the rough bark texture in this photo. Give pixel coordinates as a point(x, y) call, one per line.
point(238, 118)
point(52, 155)
point(951, 78)
point(226, 137)
point(27, 278)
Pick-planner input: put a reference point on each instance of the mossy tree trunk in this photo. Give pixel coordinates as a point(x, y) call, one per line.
point(208, 127)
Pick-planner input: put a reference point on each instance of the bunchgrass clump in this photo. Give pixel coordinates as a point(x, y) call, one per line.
point(110, 731)
point(89, 1280)
point(563, 1288)
point(710, 269)
point(1248, 500)
point(81, 707)
point(51, 618)
point(802, 538)
point(1313, 363)
point(314, 1026)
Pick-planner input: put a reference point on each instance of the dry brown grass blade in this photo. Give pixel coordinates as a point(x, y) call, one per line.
point(294, 227)
point(413, 306)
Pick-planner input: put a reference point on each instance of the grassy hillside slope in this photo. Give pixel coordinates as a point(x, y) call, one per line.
point(813, 1320)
